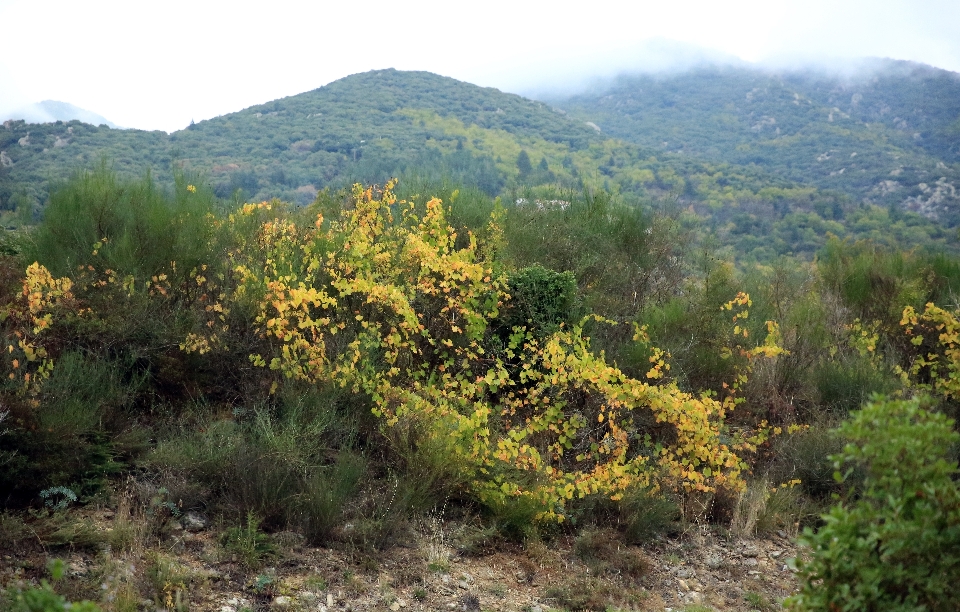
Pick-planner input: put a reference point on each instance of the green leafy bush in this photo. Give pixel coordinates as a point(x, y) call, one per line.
point(896, 546)
point(540, 300)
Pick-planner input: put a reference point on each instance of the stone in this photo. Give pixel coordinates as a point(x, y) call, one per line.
point(750, 562)
point(193, 521)
point(684, 573)
point(683, 584)
point(282, 601)
point(395, 606)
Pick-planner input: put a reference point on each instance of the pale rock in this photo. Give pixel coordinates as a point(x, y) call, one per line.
point(282, 601)
point(193, 521)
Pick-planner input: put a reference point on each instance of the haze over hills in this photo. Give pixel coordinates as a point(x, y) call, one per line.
point(50, 111)
point(768, 161)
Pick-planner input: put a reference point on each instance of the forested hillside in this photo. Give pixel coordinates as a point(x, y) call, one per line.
point(762, 163)
point(887, 132)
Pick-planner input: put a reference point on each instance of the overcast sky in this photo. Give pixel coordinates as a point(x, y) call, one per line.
point(157, 65)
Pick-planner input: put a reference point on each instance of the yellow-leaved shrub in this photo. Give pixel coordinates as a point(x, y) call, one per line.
point(380, 299)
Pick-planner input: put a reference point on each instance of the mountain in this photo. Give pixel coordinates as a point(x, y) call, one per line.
point(767, 163)
point(50, 111)
point(886, 132)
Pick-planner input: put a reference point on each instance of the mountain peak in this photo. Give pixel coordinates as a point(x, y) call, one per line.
point(51, 111)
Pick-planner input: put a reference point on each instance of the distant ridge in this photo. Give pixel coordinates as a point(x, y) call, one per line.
point(772, 162)
point(51, 111)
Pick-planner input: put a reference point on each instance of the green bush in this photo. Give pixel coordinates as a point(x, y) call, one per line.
point(540, 300)
point(132, 227)
point(897, 546)
point(646, 516)
point(804, 455)
point(250, 546)
point(845, 383)
point(74, 437)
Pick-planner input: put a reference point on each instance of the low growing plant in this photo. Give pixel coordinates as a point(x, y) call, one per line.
point(43, 598)
point(247, 543)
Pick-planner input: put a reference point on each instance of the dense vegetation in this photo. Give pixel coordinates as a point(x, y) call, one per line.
point(540, 328)
point(767, 164)
point(383, 352)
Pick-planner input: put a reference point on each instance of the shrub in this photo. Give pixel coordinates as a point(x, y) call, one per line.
point(804, 455)
point(645, 515)
point(603, 551)
point(326, 493)
point(896, 547)
point(540, 300)
point(70, 438)
point(250, 546)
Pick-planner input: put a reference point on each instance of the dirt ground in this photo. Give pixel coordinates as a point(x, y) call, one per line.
point(189, 569)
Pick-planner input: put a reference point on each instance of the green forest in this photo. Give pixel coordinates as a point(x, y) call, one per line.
point(610, 319)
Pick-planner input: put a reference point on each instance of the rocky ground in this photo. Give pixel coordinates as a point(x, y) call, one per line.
point(188, 567)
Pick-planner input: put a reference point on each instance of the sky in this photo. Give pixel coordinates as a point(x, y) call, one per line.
point(159, 65)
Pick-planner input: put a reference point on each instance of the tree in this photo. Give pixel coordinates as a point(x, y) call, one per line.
point(523, 163)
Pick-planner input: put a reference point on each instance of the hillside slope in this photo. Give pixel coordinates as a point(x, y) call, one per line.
point(888, 133)
point(760, 192)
